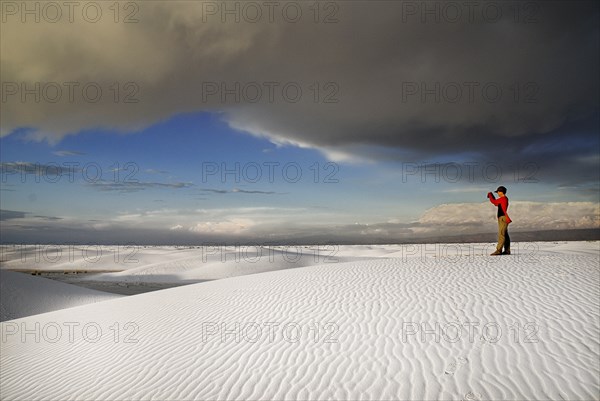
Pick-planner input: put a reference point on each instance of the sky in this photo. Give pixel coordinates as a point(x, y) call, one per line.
point(197, 122)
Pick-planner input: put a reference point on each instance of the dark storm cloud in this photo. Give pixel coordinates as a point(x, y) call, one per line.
point(383, 80)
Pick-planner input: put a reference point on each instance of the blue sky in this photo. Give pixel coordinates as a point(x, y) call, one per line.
point(171, 175)
point(197, 150)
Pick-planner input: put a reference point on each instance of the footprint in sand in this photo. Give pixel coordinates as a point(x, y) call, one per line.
point(450, 369)
point(453, 366)
point(471, 396)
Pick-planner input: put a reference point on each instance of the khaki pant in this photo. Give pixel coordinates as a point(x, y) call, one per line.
point(503, 237)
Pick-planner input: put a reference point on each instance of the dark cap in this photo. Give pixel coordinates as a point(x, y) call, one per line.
point(501, 189)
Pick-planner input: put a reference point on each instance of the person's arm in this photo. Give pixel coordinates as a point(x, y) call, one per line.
point(494, 201)
point(504, 206)
point(503, 202)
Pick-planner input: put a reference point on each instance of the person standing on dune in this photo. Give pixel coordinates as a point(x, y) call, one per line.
point(503, 221)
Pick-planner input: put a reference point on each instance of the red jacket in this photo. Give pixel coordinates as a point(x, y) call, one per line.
point(503, 202)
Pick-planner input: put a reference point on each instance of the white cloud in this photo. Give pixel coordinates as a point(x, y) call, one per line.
point(228, 227)
point(526, 216)
point(273, 223)
point(464, 189)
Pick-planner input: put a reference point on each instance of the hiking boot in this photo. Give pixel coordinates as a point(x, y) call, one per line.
point(496, 253)
point(507, 252)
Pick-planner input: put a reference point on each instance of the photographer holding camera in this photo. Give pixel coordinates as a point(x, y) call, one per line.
point(503, 221)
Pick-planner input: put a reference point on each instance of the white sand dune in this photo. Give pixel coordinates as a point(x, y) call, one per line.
point(213, 264)
point(59, 258)
point(24, 295)
point(448, 326)
point(169, 264)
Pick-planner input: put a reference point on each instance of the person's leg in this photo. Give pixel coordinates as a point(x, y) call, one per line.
point(501, 234)
point(506, 241)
